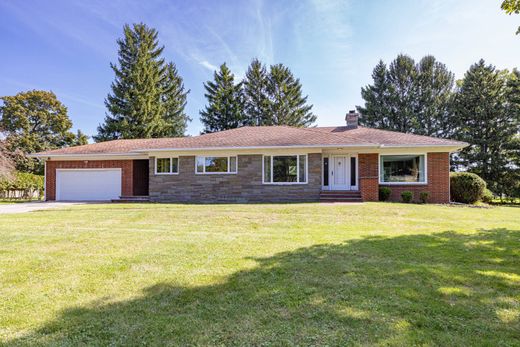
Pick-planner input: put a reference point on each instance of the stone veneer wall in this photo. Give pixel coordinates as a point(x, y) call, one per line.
point(245, 186)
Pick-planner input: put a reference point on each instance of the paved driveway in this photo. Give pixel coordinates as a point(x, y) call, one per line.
point(22, 207)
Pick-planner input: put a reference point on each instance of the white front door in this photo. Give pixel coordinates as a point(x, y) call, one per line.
point(340, 172)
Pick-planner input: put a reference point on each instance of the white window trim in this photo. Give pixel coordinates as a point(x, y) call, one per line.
point(404, 183)
point(297, 171)
point(171, 166)
point(217, 173)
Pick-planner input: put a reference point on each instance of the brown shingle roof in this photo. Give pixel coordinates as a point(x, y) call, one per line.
point(265, 136)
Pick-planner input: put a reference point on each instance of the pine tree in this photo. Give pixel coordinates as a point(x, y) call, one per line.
point(486, 108)
point(141, 104)
point(409, 97)
point(256, 99)
point(376, 110)
point(225, 109)
point(435, 96)
point(174, 98)
point(287, 104)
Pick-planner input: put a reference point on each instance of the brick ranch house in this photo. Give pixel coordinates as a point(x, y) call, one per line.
point(254, 164)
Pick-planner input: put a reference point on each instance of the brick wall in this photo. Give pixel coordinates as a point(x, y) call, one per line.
point(245, 186)
point(125, 166)
point(369, 176)
point(438, 167)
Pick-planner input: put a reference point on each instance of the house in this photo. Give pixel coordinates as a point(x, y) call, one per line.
point(255, 164)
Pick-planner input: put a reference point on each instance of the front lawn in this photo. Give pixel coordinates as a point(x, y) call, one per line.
point(303, 274)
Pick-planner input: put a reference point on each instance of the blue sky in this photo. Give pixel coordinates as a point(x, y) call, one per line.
point(332, 46)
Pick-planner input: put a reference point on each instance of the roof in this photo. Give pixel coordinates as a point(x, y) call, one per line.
point(261, 137)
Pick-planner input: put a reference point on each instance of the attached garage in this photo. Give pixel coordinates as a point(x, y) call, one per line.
point(88, 184)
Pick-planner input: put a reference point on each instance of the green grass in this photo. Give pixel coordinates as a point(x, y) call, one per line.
point(302, 274)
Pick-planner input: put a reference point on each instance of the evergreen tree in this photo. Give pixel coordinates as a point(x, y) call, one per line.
point(409, 97)
point(174, 98)
point(435, 94)
point(225, 109)
point(256, 99)
point(34, 121)
point(486, 108)
point(148, 97)
point(287, 105)
point(376, 96)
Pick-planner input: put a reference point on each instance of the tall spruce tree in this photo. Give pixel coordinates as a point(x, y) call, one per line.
point(486, 108)
point(225, 109)
point(409, 97)
point(287, 105)
point(148, 96)
point(435, 95)
point(376, 96)
point(256, 99)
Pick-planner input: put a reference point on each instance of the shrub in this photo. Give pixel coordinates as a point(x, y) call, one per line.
point(424, 196)
point(26, 184)
point(487, 196)
point(384, 193)
point(407, 196)
point(466, 187)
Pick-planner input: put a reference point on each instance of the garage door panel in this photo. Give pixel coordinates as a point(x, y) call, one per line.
point(84, 184)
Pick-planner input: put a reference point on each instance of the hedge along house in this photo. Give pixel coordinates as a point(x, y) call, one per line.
point(254, 164)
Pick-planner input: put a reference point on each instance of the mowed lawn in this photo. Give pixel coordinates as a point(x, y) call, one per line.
point(282, 275)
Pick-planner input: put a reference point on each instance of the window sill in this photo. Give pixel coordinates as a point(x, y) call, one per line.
point(166, 173)
point(283, 183)
point(215, 173)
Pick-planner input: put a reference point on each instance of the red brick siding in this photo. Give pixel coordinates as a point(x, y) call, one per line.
point(125, 166)
point(368, 176)
point(438, 179)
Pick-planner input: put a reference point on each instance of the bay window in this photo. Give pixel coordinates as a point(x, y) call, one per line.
point(215, 165)
point(402, 169)
point(285, 169)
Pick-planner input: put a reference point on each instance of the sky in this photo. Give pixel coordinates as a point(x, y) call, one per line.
point(331, 46)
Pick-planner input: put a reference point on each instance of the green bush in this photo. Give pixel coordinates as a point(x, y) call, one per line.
point(466, 187)
point(487, 196)
point(384, 193)
point(424, 196)
point(26, 183)
point(407, 196)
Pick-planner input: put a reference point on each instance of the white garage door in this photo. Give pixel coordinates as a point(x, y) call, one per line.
point(88, 184)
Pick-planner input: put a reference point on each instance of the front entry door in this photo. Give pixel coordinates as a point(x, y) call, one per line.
point(340, 173)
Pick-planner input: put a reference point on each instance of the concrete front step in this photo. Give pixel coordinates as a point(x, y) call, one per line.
point(340, 196)
point(132, 199)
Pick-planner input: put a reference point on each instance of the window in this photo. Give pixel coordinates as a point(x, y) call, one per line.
point(166, 165)
point(402, 169)
point(215, 165)
point(326, 171)
point(353, 171)
point(285, 169)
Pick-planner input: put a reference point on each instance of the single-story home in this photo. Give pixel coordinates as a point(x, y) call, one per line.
point(255, 164)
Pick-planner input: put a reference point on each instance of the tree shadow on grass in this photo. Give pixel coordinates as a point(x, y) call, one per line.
point(442, 289)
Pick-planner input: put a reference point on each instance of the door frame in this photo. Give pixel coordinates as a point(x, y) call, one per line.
point(348, 157)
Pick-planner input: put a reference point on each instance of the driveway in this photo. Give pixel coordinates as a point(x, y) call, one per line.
point(22, 207)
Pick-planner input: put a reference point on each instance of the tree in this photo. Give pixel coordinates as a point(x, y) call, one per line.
point(487, 112)
point(376, 96)
point(510, 7)
point(435, 96)
point(7, 165)
point(287, 105)
point(409, 97)
point(148, 96)
point(34, 121)
point(256, 98)
point(225, 109)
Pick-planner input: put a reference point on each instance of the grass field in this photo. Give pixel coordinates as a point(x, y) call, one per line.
point(302, 274)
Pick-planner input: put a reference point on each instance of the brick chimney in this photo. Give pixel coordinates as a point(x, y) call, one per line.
point(352, 119)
